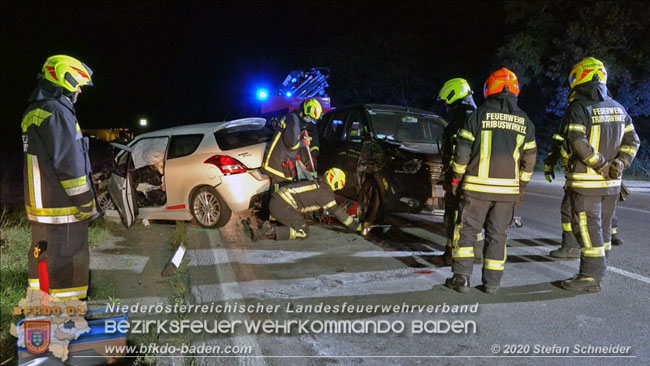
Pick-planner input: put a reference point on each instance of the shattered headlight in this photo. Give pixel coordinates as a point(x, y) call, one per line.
point(410, 167)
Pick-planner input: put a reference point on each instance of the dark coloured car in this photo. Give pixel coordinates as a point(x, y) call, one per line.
point(391, 156)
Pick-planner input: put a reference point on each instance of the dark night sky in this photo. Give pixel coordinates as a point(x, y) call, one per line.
point(197, 61)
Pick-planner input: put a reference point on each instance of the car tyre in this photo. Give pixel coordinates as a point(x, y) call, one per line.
point(369, 209)
point(208, 208)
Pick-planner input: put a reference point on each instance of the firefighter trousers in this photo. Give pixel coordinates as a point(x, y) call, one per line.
point(449, 221)
point(568, 238)
point(64, 247)
point(295, 226)
point(591, 220)
point(476, 214)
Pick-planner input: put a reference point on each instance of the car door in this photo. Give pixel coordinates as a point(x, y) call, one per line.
point(356, 129)
point(120, 187)
point(330, 134)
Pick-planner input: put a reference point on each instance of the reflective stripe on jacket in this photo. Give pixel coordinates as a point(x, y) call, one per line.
point(599, 130)
point(57, 173)
point(495, 150)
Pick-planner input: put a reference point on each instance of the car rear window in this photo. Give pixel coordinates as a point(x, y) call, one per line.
point(241, 136)
point(183, 145)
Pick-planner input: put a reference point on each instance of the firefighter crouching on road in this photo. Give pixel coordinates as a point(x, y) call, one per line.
point(59, 193)
point(290, 201)
point(280, 160)
point(495, 156)
point(457, 96)
point(603, 144)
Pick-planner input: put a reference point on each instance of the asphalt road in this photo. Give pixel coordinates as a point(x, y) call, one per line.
point(530, 319)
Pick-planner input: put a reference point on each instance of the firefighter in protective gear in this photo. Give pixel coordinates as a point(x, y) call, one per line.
point(457, 96)
point(494, 160)
point(603, 143)
point(570, 248)
point(59, 193)
point(280, 159)
point(310, 112)
point(290, 202)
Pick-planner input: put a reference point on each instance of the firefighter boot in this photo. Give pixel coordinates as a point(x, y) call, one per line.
point(616, 240)
point(458, 282)
point(565, 253)
point(265, 231)
point(582, 283)
point(490, 290)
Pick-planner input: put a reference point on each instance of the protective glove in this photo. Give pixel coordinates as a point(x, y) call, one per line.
point(455, 183)
point(549, 173)
point(522, 193)
point(616, 169)
point(85, 211)
point(604, 170)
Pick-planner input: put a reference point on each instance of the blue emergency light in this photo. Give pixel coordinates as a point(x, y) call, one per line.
point(262, 94)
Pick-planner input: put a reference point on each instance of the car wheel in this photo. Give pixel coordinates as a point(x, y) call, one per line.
point(369, 202)
point(208, 208)
point(104, 201)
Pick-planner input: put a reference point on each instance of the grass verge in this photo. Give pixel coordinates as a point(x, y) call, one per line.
point(16, 240)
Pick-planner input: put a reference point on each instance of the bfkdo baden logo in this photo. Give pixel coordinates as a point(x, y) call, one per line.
point(37, 335)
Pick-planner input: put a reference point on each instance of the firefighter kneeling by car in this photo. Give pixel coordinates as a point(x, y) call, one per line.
point(290, 201)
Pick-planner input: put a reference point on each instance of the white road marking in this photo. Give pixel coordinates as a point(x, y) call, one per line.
point(333, 285)
point(628, 274)
point(226, 276)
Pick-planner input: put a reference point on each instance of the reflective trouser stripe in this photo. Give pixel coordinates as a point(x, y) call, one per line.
point(614, 231)
point(287, 198)
point(479, 237)
point(486, 154)
point(608, 246)
point(593, 252)
point(70, 293)
point(34, 283)
point(566, 226)
point(330, 205)
point(584, 230)
point(495, 265)
point(463, 252)
point(348, 221)
point(457, 228)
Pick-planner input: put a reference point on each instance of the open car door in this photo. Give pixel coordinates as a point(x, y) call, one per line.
point(120, 187)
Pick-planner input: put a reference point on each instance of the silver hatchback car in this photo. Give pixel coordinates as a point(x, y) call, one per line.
point(203, 171)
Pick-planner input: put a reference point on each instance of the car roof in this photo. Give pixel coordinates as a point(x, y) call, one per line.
point(208, 127)
point(387, 107)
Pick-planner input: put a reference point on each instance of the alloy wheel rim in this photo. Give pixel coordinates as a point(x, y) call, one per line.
point(206, 208)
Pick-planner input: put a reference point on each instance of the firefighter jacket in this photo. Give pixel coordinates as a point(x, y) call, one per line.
point(309, 196)
point(458, 113)
point(495, 150)
point(599, 130)
point(57, 173)
point(283, 149)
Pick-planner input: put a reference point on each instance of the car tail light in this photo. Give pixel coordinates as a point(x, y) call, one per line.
point(226, 164)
